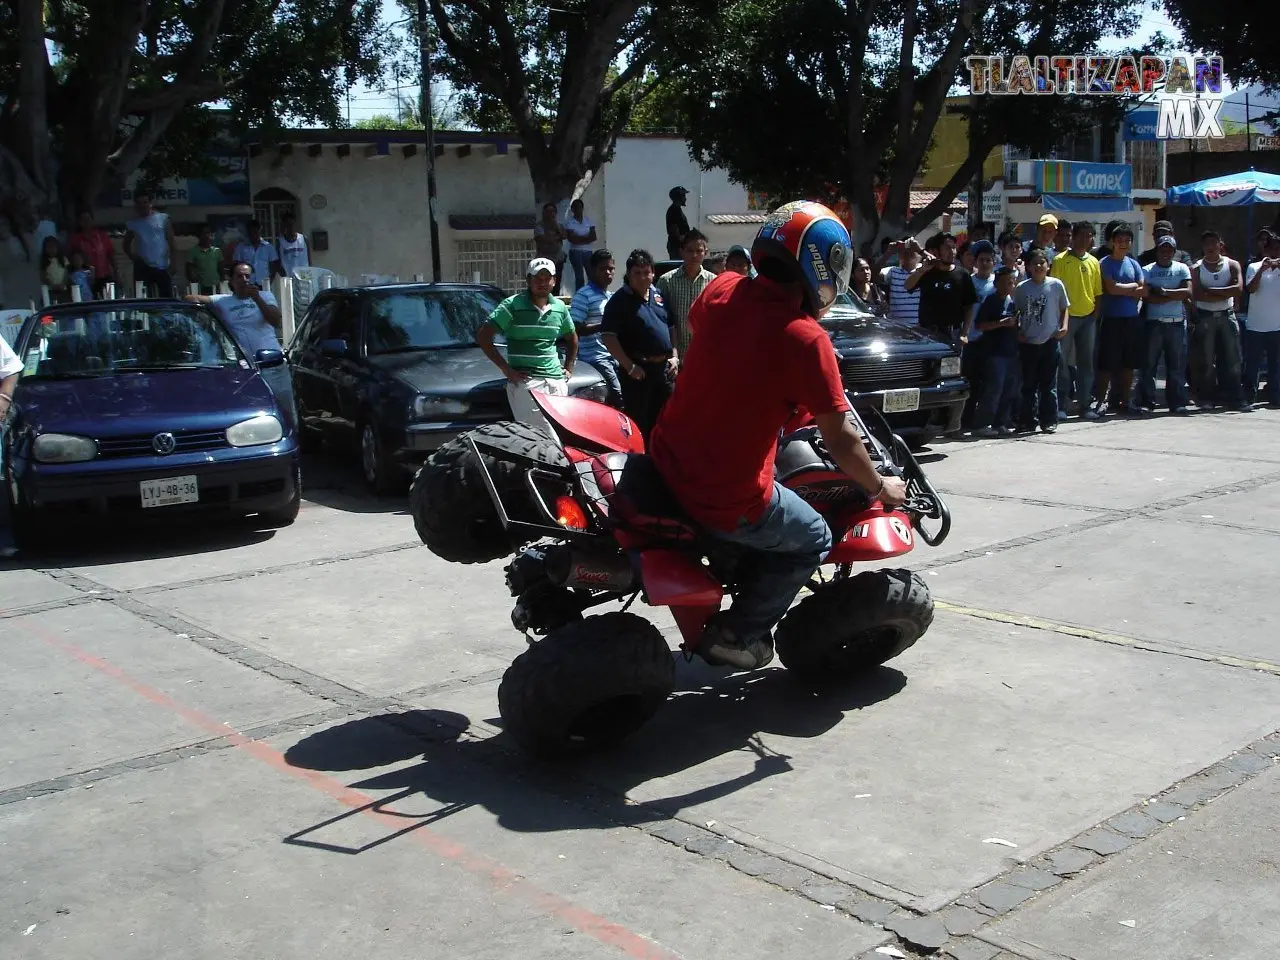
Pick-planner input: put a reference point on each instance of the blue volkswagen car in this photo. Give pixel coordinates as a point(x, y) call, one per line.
point(144, 409)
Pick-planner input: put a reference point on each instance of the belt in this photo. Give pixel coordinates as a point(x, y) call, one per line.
point(659, 358)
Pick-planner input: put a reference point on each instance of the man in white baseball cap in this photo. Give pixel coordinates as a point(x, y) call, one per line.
point(532, 322)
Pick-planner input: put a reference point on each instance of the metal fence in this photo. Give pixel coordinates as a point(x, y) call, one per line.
point(500, 262)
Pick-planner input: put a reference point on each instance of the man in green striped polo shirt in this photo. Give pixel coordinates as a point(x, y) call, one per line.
point(532, 322)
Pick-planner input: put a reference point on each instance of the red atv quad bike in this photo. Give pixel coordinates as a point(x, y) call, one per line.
point(591, 522)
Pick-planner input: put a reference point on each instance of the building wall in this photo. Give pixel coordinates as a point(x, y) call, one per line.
point(374, 209)
point(636, 182)
point(949, 150)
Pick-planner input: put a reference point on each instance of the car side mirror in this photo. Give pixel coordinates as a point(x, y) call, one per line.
point(333, 348)
point(268, 358)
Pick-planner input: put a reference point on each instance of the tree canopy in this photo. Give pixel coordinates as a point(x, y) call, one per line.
point(1245, 38)
point(827, 98)
point(129, 83)
point(563, 78)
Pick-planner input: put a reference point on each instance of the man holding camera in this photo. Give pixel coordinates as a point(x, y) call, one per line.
point(254, 319)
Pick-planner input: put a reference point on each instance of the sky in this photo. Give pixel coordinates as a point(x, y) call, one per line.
point(366, 102)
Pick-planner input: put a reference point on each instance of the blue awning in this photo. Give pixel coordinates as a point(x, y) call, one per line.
point(1069, 203)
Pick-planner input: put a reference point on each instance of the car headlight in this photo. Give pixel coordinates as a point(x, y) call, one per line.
point(436, 408)
point(950, 367)
point(599, 392)
point(64, 448)
point(255, 430)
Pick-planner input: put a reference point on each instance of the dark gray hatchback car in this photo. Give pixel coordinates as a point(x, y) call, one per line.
point(394, 371)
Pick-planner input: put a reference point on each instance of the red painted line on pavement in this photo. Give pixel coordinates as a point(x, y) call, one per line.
point(633, 945)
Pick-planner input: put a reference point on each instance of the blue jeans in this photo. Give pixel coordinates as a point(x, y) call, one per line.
point(578, 260)
point(787, 545)
point(608, 368)
point(1040, 382)
point(1262, 353)
point(1169, 339)
point(999, 401)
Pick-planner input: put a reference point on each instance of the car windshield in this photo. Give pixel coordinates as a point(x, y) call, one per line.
point(428, 319)
point(849, 310)
point(101, 341)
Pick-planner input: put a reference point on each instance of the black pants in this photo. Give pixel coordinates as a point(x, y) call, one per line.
point(1040, 382)
point(159, 279)
point(643, 400)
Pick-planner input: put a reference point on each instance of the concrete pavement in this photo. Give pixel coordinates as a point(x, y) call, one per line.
point(239, 744)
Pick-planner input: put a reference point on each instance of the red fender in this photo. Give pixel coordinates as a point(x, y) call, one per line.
point(676, 580)
point(874, 534)
point(590, 424)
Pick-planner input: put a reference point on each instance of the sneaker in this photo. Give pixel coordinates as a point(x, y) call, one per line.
point(1245, 407)
point(1025, 428)
point(720, 648)
point(1008, 431)
point(986, 432)
point(1180, 411)
point(1091, 413)
point(1049, 428)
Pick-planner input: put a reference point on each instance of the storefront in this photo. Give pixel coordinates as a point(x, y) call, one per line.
point(1096, 193)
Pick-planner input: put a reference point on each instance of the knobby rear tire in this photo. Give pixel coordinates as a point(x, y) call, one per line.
point(586, 685)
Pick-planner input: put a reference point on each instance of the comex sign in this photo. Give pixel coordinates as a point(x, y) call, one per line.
point(1188, 89)
point(1093, 182)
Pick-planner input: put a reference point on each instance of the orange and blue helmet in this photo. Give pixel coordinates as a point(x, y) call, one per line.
point(812, 247)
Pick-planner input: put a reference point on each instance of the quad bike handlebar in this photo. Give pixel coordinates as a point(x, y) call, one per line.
point(896, 459)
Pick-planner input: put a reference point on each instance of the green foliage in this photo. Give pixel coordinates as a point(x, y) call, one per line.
point(565, 78)
point(805, 97)
point(132, 80)
point(1244, 35)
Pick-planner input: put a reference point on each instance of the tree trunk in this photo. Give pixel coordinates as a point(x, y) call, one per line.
point(31, 144)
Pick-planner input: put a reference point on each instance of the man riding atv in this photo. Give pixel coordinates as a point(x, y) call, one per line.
point(758, 354)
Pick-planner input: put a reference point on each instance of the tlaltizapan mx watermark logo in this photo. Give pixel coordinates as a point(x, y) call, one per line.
point(1188, 88)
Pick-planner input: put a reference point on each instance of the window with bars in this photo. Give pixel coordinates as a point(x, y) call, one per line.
point(270, 207)
point(1147, 159)
point(500, 262)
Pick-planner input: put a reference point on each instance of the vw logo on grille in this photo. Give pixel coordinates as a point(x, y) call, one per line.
point(163, 443)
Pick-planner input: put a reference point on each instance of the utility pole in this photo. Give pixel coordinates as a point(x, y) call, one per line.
point(1248, 135)
point(428, 123)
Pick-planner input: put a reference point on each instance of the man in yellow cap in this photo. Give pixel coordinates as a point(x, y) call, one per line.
point(1046, 230)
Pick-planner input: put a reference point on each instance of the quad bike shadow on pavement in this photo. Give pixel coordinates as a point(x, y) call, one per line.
point(745, 713)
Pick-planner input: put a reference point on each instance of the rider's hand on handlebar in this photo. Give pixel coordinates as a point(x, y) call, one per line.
point(894, 492)
point(636, 372)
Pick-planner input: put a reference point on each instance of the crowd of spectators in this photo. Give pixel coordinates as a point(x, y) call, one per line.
point(1055, 327)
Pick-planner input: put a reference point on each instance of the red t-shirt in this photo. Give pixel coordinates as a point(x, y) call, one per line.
point(754, 358)
point(96, 247)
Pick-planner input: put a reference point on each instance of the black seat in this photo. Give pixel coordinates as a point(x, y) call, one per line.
point(638, 497)
point(796, 454)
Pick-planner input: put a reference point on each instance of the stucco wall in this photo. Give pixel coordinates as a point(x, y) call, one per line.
point(375, 208)
point(636, 182)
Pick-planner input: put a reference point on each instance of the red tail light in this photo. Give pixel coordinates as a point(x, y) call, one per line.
point(569, 513)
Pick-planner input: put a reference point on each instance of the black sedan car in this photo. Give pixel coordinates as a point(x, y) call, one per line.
point(394, 371)
point(143, 409)
point(913, 378)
